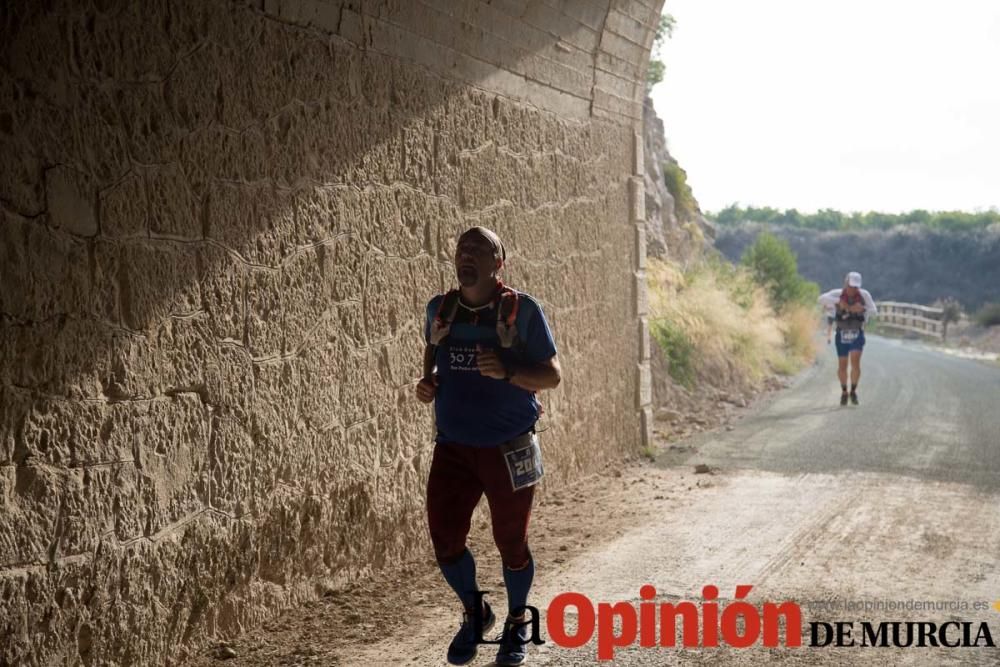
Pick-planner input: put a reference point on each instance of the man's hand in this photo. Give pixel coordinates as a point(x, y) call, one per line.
point(489, 364)
point(856, 308)
point(427, 389)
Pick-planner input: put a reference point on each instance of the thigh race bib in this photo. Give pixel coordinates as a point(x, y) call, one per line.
point(848, 336)
point(523, 457)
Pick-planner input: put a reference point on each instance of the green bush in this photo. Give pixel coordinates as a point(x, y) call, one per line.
point(655, 72)
point(807, 292)
point(664, 31)
point(675, 178)
point(951, 310)
point(989, 315)
point(775, 266)
point(678, 348)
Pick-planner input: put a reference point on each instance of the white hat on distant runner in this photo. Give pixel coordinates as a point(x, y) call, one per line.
point(854, 279)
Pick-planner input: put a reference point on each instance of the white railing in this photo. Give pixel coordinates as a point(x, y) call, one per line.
point(924, 320)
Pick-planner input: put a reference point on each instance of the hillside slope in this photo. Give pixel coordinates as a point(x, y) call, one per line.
point(900, 264)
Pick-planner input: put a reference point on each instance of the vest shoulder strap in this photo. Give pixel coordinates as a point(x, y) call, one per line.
point(508, 305)
point(507, 311)
point(445, 315)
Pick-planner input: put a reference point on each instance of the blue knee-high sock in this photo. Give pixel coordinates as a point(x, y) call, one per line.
point(518, 583)
point(461, 576)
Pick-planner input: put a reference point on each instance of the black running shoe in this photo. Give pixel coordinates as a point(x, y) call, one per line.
point(854, 398)
point(463, 647)
point(513, 644)
point(843, 398)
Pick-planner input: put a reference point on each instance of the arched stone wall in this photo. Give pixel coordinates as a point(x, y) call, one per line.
point(219, 222)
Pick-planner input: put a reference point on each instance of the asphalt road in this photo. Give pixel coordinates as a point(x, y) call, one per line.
point(923, 414)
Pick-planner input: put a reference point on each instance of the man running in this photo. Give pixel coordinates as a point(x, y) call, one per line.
point(489, 349)
point(853, 306)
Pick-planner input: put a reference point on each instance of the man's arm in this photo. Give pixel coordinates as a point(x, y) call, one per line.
point(533, 376)
point(830, 299)
point(870, 309)
point(426, 389)
point(538, 376)
point(429, 360)
point(540, 369)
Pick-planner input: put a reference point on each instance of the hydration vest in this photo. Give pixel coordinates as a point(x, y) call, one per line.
point(846, 319)
point(506, 304)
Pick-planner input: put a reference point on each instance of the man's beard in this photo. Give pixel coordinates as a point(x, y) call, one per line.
point(468, 276)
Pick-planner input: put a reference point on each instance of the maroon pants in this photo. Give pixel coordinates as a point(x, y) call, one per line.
point(460, 475)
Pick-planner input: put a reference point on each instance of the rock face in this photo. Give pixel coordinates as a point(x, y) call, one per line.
point(219, 225)
point(903, 264)
point(660, 216)
point(677, 235)
point(681, 237)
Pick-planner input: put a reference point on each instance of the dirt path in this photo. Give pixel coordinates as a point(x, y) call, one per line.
point(403, 617)
point(830, 508)
point(820, 538)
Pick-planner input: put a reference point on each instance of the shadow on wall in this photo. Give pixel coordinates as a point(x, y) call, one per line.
point(218, 234)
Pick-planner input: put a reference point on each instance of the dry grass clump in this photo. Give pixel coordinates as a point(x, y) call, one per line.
point(716, 326)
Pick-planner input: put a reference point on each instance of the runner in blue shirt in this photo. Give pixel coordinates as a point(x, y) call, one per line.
point(489, 349)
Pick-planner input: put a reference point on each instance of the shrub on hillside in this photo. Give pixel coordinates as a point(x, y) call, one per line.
point(716, 325)
point(678, 349)
point(951, 310)
point(664, 31)
point(989, 315)
point(675, 178)
point(775, 266)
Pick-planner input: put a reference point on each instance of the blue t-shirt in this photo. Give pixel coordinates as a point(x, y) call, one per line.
point(472, 409)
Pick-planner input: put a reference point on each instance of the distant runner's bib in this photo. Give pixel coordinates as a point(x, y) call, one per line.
point(524, 461)
point(848, 336)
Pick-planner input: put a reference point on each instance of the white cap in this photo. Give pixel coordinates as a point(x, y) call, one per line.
point(854, 279)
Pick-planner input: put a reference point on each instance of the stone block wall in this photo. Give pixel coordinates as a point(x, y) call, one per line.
point(219, 225)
